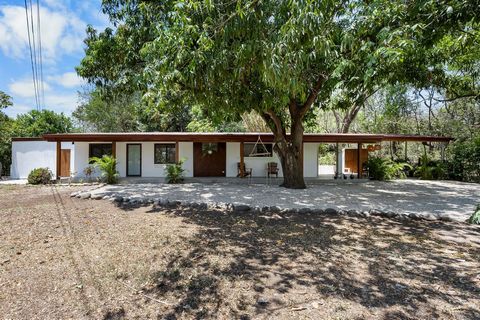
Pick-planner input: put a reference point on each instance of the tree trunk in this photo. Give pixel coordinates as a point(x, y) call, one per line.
point(290, 152)
point(289, 148)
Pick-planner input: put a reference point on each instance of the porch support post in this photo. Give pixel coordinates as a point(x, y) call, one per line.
point(59, 161)
point(406, 156)
point(177, 154)
point(359, 153)
point(114, 149)
point(337, 165)
point(242, 160)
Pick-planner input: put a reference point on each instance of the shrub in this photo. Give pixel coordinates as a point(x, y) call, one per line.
point(430, 170)
point(465, 159)
point(108, 167)
point(385, 169)
point(175, 172)
point(40, 176)
point(475, 217)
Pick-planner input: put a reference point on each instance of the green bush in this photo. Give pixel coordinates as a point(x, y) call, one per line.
point(431, 170)
point(465, 159)
point(175, 172)
point(475, 217)
point(40, 176)
point(108, 167)
point(386, 169)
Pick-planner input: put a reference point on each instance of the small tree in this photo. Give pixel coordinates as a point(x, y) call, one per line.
point(175, 172)
point(108, 167)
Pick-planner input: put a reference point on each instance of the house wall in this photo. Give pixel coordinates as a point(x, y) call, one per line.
point(186, 153)
point(259, 164)
point(81, 160)
point(233, 158)
point(310, 160)
point(28, 155)
point(149, 168)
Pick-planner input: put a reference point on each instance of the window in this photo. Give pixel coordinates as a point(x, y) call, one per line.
point(164, 153)
point(99, 150)
point(209, 148)
point(261, 150)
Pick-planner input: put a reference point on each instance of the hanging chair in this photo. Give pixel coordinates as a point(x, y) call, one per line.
point(254, 152)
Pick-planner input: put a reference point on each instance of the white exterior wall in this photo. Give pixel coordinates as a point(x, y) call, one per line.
point(81, 160)
point(28, 155)
point(149, 168)
point(310, 160)
point(185, 151)
point(233, 157)
point(258, 164)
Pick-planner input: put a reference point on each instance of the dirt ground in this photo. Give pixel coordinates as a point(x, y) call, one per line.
point(66, 258)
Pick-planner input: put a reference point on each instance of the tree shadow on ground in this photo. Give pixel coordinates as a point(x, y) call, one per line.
point(263, 265)
point(439, 198)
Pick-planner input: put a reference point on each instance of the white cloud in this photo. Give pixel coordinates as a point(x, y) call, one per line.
point(24, 88)
point(61, 102)
point(62, 32)
point(67, 80)
point(55, 101)
point(17, 109)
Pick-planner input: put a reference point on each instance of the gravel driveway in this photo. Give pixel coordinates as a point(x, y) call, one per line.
point(440, 198)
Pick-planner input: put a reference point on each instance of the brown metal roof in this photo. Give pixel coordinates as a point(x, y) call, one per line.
point(28, 139)
point(236, 137)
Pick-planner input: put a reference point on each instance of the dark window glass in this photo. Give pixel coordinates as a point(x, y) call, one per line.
point(164, 153)
point(260, 150)
point(99, 150)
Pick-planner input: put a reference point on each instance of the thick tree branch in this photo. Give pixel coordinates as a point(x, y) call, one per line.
point(313, 95)
point(278, 128)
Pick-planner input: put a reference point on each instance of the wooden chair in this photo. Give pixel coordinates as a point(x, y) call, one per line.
point(246, 172)
point(272, 169)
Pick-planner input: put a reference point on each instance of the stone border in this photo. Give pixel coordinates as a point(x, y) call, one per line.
point(244, 208)
point(79, 184)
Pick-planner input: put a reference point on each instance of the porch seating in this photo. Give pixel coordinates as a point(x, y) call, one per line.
point(272, 169)
point(243, 171)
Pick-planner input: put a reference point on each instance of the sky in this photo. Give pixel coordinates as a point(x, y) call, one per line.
point(63, 24)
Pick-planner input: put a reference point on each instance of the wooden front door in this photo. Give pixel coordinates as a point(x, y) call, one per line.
point(209, 159)
point(351, 159)
point(65, 163)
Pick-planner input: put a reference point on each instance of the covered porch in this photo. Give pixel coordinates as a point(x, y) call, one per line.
point(231, 155)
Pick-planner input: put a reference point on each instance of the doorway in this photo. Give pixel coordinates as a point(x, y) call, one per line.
point(65, 163)
point(209, 159)
point(134, 160)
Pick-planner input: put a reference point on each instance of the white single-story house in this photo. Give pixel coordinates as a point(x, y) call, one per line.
point(204, 154)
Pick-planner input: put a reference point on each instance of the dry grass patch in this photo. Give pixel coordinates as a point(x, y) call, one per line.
point(69, 258)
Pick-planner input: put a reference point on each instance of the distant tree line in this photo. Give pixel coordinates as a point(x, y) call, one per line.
point(31, 124)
